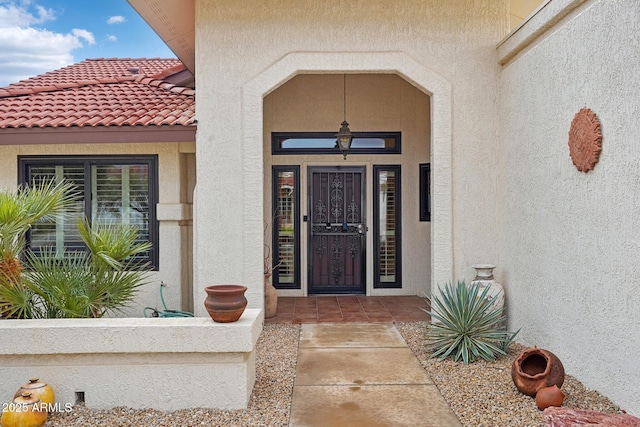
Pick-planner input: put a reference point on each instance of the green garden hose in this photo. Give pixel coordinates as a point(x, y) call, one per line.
point(153, 312)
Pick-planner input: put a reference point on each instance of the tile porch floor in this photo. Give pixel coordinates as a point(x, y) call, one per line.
point(350, 308)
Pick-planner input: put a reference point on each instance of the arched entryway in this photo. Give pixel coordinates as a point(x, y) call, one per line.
point(401, 64)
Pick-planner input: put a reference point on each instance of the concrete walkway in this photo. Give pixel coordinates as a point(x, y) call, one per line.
point(363, 374)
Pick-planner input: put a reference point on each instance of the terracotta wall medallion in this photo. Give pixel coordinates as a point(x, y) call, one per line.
point(585, 140)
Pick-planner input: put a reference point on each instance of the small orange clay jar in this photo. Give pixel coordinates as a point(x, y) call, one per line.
point(39, 390)
point(535, 369)
point(24, 411)
point(549, 396)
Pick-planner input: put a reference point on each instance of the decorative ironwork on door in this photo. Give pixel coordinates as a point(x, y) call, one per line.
point(338, 231)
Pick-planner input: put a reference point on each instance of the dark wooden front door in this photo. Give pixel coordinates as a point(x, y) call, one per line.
point(337, 230)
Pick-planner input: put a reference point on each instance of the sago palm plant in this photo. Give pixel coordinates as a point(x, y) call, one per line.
point(19, 211)
point(465, 326)
point(69, 284)
point(85, 284)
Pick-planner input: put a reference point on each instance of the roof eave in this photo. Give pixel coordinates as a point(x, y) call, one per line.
point(174, 21)
point(97, 135)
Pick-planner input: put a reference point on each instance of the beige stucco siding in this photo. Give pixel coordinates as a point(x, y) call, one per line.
point(176, 177)
point(569, 241)
point(448, 43)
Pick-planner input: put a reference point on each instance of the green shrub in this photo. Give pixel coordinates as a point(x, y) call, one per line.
point(465, 326)
point(105, 278)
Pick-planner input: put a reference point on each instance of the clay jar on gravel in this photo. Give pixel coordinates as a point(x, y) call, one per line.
point(484, 279)
point(549, 396)
point(39, 390)
point(270, 297)
point(225, 303)
point(24, 411)
point(536, 368)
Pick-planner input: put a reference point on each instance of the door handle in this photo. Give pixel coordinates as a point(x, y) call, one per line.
point(362, 229)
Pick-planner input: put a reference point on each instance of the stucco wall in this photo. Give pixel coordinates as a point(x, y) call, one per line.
point(569, 241)
point(453, 40)
point(379, 102)
point(167, 364)
point(175, 166)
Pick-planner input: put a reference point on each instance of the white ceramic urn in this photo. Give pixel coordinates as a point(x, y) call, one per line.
point(484, 278)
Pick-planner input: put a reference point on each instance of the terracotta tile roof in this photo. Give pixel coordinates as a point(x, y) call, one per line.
point(91, 69)
point(100, 92)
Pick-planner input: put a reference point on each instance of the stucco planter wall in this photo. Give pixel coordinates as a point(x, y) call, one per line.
point(160, 363)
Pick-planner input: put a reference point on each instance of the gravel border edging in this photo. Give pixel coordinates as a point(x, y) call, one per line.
point(482, 394)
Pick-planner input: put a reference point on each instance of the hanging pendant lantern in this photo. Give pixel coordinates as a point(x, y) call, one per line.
point(344, 135)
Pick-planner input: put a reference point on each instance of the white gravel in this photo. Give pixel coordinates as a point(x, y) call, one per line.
point(481, 394)
point(270, 402)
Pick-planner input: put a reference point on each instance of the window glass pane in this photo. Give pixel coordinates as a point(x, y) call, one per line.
point(307, 143)
point(110, 193)
point(285, 215)
point(387, 220)
point(325, 143)
point(373, 143)
point(425, 192)
point(62, 231)
point(330, 142)
point(120, 195)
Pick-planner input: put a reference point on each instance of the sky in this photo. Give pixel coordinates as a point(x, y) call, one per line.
point(37, 36)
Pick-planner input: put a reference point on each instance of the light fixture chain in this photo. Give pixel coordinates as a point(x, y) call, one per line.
point(344, 97)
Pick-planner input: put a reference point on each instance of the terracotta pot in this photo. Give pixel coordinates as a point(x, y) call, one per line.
point(39, 390)
point(536, 368)
point(225, 303)
point(270, 299)
point(549, 396)
point(24, 411)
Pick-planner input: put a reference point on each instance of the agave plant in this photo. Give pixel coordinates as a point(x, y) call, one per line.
point(465, 326)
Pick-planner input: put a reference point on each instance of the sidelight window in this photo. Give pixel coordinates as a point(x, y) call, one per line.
point(425, 192)
point(387, 226)
point(286, 227)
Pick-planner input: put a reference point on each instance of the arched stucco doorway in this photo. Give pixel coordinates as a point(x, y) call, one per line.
point(439, 91)
point(347, 225)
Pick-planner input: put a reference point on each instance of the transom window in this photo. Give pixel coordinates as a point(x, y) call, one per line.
point(325, 143)
point(112, 190)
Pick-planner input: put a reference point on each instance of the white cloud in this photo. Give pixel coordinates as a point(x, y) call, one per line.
point(13, 15)
point(116, 20)
point(112, 38)
point(44, 14)
point(84, 34)
point(27, 50)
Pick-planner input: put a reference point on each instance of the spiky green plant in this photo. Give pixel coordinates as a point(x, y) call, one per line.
point(20, 210)
point(103, 279)
point(465, 324)
point(80, 284)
